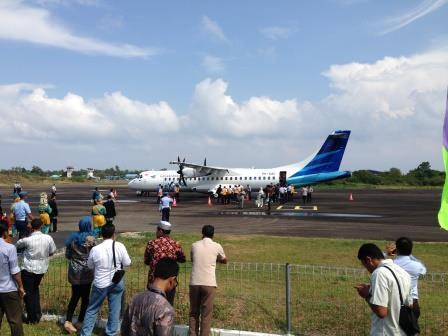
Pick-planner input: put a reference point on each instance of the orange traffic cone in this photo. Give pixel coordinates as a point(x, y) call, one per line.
point(174, 203)
point(351, 197)
point(209, 201)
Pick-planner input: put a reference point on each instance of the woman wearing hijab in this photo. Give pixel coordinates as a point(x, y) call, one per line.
point(98, 217)
point(44, 213)
point(78, 246)
point(12, 219)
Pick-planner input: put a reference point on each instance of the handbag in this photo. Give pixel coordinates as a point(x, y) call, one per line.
point(407, 321)
point(119, 274)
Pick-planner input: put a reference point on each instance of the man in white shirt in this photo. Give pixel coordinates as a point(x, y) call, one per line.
point(37, 249)
point(412, 265)
point(310, 194)
point(304, 194)
point(165, 207)
point(204, 255)
point(101, 261)
point(382, 294)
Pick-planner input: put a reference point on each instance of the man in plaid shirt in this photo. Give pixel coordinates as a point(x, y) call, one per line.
point(163, 247)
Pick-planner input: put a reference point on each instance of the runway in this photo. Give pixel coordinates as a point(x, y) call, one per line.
point(373, 214)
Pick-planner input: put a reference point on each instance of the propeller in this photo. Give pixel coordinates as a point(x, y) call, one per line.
point(181, 171)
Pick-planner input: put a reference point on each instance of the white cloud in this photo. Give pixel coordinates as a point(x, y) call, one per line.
point(424, 8)
point(213, 64)
point(30, 115)
point(390, 88)
point(277, 33)
point(21, 22)
point(395, 107)
point(255, 117)
point(213, 29)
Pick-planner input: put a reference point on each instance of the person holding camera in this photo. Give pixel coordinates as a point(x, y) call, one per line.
point(388, 291)
point(107, 261)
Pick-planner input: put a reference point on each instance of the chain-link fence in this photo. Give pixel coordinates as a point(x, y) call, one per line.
point(254, 296)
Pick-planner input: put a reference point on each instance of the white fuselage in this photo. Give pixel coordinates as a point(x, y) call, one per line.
point(255, 178)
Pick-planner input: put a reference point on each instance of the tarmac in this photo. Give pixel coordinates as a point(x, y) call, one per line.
point(373, 214)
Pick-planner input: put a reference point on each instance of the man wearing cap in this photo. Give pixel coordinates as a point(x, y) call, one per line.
point(162, 247)
point(205, 254)
point(22, 213)
point(149, 313)
point(165, 207)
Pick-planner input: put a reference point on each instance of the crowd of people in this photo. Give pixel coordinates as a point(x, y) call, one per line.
point(270, 194)
point(96, 269)
point(97, 264)
point(238, 194)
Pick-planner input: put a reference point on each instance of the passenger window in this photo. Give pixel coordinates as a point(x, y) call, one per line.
point(250, 177)
point(207, 178)
point(231, 178)
point(259, 177)
point(245, 177)
point(264, 177)
point(241, 178)
point(226, 178)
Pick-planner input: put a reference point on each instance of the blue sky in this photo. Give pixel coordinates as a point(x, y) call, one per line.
point(136, 83)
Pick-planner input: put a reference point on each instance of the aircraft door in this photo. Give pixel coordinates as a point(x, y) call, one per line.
point(282, 178)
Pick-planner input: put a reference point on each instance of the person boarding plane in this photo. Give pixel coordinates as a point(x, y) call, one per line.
point(322, 166)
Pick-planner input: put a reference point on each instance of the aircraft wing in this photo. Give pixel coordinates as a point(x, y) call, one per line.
point(203, 170)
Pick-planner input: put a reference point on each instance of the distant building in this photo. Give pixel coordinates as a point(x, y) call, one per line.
point(90, 172)
point(70, 170)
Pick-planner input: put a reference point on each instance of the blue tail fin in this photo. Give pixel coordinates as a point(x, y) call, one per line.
point(329, 157)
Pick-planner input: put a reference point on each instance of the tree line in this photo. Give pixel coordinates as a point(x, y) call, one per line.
point(36, 171)
point(423, 175)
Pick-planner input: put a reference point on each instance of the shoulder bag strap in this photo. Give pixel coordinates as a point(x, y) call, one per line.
point(113, 253)
point(399, 288)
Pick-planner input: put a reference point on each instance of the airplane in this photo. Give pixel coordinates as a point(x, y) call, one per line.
point(322, 166)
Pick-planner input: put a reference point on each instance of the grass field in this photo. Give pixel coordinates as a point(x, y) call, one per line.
point(251, 292)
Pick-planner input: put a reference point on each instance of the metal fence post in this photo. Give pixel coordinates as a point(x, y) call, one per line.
point(288, 298)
